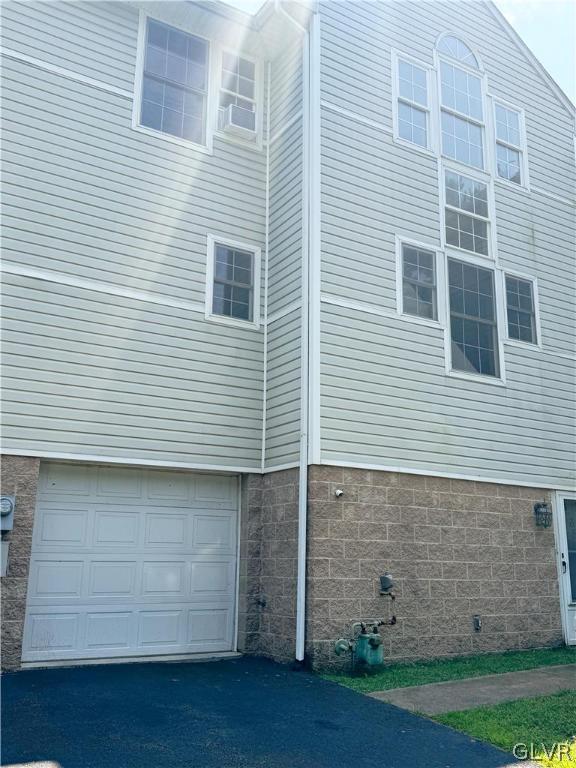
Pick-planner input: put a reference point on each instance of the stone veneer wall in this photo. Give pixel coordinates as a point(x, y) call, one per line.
point(19, 477)
point(456, 549)
point(268, 558)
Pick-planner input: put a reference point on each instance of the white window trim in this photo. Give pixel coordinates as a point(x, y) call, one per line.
point(440, 322)
point(212, 241)
point(478, 70)
point(139, 77)
point(258, 98)
point(430, 148)
point(501, 318)
point(534, 281)
point(484, 124)
point(485, 178)
point(522, 148)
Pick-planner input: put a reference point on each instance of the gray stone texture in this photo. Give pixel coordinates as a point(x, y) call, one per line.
point(268, 556)
point(456, 548)
point(19, 477)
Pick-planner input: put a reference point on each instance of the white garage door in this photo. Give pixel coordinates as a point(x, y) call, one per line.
point(131, 562)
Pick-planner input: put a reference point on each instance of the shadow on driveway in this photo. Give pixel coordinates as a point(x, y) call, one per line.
point(241, 713)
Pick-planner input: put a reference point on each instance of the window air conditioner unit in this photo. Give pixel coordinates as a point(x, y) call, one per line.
point(238, 121)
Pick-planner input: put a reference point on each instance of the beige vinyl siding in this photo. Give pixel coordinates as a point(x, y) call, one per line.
point(283, 390)
point(93, 39)
point(378, 188)
point(90, 373)
point(110, 203)
point(385, 397)
point(89, 199)
point(285, 261)
point(385, 401)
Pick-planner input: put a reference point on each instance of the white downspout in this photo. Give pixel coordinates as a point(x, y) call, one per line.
point(305, 340)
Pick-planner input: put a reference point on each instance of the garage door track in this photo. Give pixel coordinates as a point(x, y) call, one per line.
point(240, 713)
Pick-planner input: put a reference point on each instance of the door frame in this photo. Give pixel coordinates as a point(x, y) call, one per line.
point(560, 542)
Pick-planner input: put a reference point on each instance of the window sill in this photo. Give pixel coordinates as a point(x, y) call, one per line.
point(416, 147)
point(523, 344)
point(511, 185)
point(255, 144)
point(420, 320)
point(234, 322)
point(479, 378)
point(200, 148)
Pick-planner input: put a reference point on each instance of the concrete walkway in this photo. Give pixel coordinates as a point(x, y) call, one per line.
point(437, 698)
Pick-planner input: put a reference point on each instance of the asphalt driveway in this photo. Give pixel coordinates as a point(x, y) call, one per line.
point(241, 713)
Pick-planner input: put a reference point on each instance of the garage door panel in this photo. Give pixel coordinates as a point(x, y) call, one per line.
point(166, 530)
point(63, 479)
point(109, 630)
point(119, 482)
point(116, 529)
point(52, 632)
point(160, 628)
point(164, 578)
point(169, 486)
point(56, 579)
point(208, 626)
point(130, 562)
point(64, 528)
point(112, 579)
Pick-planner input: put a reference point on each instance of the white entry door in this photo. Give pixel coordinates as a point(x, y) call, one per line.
point(566, 547)
point(131, 562)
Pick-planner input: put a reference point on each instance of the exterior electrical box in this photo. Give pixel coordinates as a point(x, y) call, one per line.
point(7, 505)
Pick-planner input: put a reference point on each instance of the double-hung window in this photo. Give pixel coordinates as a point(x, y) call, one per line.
point(238, 88)
point(509, 153)
point(466, 213)
point(174, 83)
point(461, 103)
point(419, 296)
point(521, 309)
point(473, 319)
point(412, 103)
point(232, 281)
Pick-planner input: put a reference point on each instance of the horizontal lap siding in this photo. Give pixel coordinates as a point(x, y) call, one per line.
point(367, 199)
point(93, 39)
point(385, 398)
point(386, 401)
point(89, 198)
point(95, 374)
point(117, 205)
point(285, 261)
point(283, 392)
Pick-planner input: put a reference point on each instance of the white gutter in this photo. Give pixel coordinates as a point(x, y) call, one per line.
point(305, 333)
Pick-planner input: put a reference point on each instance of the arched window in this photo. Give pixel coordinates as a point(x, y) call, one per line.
point(456, 49)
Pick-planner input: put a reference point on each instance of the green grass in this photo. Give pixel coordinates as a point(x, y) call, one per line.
point(545, 720)
point(420, 673)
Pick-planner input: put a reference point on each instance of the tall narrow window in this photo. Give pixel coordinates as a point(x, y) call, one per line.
point(419, 282)
point(520, 309)
point(238, 88)
point(508, 144)
point(466, 213)
point(174, 82)
point(473, 325)
point(233, 289)
point(461, 101)
point(412, 106)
